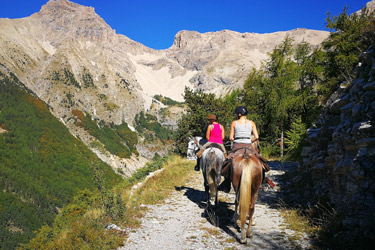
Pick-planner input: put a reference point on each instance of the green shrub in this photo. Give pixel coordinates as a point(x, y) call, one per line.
point(117, 139)
point(150, 122)
point(166, 100)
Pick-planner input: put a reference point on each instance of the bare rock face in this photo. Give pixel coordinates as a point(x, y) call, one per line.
point(341, 158)
point(370, 6)
point(222, 60)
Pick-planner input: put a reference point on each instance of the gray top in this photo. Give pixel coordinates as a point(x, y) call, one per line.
point(243, 132)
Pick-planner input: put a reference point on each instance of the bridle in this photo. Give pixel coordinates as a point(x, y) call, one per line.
point(192, 148)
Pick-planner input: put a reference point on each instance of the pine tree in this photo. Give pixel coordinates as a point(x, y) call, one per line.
point(350, 36)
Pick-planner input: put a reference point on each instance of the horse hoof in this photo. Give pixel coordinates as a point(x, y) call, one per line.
point(243, 241)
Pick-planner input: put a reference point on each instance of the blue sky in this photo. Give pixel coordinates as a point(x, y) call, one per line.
point(154, 23)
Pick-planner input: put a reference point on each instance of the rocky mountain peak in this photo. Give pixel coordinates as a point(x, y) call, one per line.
point(64, 7)
point(80, 21)
point(183, 37)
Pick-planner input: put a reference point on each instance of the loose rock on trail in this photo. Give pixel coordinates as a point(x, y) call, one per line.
point(182, 222)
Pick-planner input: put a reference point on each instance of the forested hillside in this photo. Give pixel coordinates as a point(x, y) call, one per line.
point(42, 166)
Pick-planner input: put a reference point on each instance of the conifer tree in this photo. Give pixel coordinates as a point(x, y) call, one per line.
point(350, 36)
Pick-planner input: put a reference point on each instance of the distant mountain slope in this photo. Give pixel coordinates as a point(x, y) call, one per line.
point(67, 35)
point(42, 166)
point(77, 64)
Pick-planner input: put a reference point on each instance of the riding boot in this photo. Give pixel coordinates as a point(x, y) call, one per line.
point(197, 167)
point(200, 152)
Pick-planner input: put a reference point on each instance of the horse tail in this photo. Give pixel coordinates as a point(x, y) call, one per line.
point(211, 173)
point(211, 183)
point(245, 189)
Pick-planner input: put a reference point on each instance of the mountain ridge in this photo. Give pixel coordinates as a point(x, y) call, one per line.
point(73, 60)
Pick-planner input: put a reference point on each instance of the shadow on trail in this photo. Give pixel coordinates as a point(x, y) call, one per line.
point(224, 214)
point(272, 197)
point(221, 216)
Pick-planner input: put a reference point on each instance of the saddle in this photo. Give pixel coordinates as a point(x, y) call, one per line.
point(215, 145)
point(245, 152)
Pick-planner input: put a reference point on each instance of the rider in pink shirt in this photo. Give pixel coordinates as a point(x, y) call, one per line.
point(214, 134)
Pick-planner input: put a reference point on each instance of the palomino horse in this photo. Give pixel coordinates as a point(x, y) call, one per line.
point(246, 180)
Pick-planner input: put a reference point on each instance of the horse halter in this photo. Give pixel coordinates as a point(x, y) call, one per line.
point(192, 145)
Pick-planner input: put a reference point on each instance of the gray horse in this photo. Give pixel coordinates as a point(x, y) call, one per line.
point(193, 147)
point(211, 163)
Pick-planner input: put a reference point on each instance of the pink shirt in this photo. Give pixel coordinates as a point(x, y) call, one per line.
point(215, 135)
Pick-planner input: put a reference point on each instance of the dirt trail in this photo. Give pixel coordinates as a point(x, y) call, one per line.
point(181, 222)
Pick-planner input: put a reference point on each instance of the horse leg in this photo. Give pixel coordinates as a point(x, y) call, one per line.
point(217, 182)
point(235, 179)
point(251, 213)
point(249, 232)
point(235, 214)
point(243, 234)
point(205, 184)
point(207, 195)
point(217, 200)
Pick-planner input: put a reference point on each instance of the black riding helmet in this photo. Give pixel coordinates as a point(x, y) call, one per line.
point(241, 110)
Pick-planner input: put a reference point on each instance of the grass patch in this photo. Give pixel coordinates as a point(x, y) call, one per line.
point(161, 185)
point(81, 224)
point(212, 231)
point(156, 189)
point(298, 223)
point(230, 240)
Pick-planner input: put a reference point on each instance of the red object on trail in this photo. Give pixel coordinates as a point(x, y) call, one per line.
point(270, 183)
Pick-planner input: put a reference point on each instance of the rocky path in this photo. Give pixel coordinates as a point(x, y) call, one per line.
point(181, 222)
